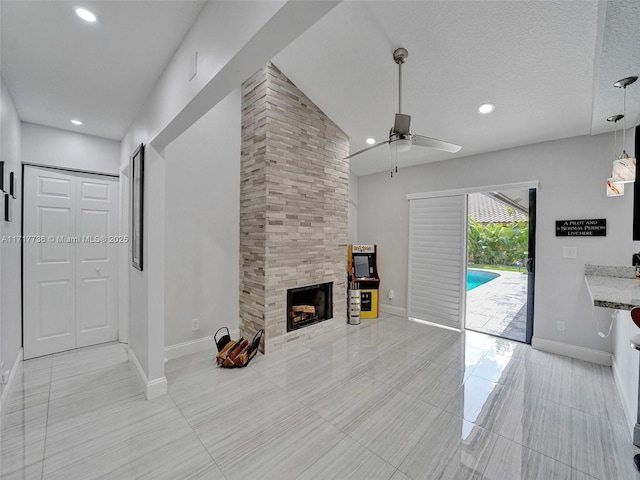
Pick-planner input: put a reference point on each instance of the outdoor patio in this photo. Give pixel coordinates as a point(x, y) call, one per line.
point(499, 307)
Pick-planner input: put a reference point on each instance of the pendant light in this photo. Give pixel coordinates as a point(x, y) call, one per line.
point(624, 167)
point(615, 189)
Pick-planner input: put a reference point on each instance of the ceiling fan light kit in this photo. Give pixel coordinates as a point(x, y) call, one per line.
point(400, 137)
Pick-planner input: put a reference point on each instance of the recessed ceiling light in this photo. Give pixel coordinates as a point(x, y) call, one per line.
point(86, 15)
point(76, 122)
point(486, 108)
point(371, 141)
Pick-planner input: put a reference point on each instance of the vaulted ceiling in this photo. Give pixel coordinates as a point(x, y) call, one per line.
point(548, 66)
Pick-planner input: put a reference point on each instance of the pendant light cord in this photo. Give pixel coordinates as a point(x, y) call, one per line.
point(624, 121)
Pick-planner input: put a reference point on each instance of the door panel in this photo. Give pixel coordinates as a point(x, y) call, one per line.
point(94, 307)
point(95, 227)
point(97, 295)
point(49, 264)
point(437, 234)
point(70, 281)
point(54, 314)
point(55, 225)
point(50, 185)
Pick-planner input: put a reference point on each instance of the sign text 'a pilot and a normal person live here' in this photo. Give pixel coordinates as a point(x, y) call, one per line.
point(581, 228)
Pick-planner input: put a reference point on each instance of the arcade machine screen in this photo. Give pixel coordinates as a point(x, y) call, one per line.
point(361, 266)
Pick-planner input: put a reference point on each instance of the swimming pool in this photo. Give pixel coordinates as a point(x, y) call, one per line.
point(475, 278)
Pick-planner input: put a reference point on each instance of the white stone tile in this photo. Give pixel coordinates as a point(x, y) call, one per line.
point(510, 461)
point(116, 436)
point(185, 457)
point(452, 449)
point(363, 401)
point(481, 402)
point(434, 383)
point(394, 427)
point(603, 449)
point(349, 459)
point(284, 450)
point(540, 425)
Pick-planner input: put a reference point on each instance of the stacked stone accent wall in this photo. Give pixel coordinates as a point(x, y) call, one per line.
point(293, 203)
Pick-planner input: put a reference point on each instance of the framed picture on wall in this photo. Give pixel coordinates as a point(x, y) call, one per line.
point(137, 205)
point(8, 207)
point(13, 186)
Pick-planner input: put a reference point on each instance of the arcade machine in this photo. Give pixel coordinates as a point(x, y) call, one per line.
point(362, 263)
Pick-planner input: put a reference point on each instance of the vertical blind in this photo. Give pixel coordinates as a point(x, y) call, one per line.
point(437, 249)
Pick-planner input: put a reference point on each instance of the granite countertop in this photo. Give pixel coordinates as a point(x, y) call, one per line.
point(612, 287)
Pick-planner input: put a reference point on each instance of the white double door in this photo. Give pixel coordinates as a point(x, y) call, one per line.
point(70, 244)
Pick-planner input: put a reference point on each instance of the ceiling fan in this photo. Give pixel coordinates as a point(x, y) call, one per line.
point(400, 135)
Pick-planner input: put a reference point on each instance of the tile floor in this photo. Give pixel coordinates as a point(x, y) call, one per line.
point(389, 399)
point(499, 307)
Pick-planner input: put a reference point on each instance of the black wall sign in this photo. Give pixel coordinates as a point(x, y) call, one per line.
point(581, 228)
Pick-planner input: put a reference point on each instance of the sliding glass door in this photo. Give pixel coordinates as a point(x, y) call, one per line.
point(500, 263)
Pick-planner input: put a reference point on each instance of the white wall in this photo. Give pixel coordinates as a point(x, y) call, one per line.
point(62, 148)
point(202, 225)
point(248, 34)
point(10, 271)
point(352, 219)
point(572, 176)
point(220, 31)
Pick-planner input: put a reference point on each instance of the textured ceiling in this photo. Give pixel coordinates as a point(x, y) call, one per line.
point(619, 58)
point(548, 66)
point(58, 67)
point(536, 61)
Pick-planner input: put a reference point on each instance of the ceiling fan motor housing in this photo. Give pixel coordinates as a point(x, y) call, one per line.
point(402, 124)
point(400, 55)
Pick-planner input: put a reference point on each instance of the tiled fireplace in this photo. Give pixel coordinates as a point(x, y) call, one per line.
point(293, 208)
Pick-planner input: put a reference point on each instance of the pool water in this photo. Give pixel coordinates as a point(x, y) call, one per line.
point(475, 278)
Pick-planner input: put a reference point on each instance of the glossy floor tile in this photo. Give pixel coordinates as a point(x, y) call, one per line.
point(390, 399)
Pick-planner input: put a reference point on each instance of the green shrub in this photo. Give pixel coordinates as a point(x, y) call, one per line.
point(497, 243)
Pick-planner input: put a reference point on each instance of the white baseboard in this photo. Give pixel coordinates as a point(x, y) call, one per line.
point(152, 389)
point(12, 375)
point(573, 351)
point(393, 310)
point(630, 415)
point(194, 346)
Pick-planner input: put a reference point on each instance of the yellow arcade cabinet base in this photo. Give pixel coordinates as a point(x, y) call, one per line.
point(369, 304)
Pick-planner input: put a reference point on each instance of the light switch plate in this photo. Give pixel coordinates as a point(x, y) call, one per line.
point(569, 252)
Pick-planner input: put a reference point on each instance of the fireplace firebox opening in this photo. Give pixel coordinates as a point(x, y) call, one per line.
point(309, 305)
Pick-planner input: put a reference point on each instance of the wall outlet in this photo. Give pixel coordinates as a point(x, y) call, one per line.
point(391, 294)
point(195, 324)
point(569, 252)
point(560, 326)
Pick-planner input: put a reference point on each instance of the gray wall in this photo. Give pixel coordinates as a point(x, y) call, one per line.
point(202, 212)
point(572, 175)
point(62, 148)
point(10, 299)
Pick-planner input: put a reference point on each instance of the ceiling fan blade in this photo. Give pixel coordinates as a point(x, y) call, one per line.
point(423, 141)
point(367, 149)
